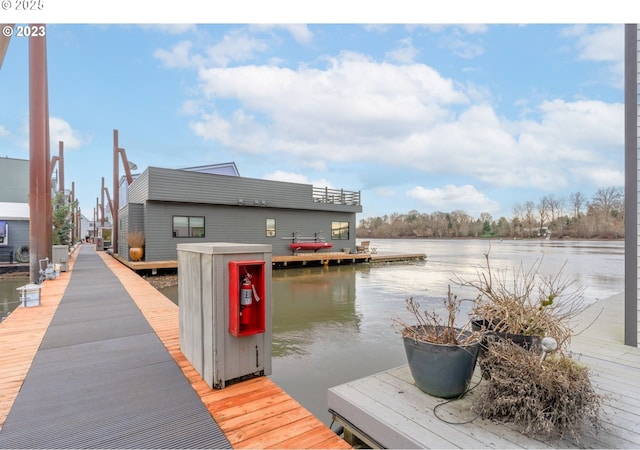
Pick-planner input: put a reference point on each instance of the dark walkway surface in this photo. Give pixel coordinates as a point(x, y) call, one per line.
point(102, 379)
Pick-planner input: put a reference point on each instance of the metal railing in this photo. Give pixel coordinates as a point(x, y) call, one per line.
point(336, 196)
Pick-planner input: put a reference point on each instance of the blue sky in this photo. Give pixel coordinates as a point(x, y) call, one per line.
point(416, 117)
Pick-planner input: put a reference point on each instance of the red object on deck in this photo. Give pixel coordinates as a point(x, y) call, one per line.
point(315, 246)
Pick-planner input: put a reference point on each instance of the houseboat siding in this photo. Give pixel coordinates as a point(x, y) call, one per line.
point(247, 225)
point(235, 210)
point(194, 187)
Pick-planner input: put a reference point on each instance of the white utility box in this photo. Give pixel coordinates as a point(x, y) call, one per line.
point(224, 298)
point(60, 255)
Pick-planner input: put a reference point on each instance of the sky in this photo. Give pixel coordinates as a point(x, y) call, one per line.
point(424, 116)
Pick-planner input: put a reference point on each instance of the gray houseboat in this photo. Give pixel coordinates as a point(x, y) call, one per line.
point(174, 206)
point(14, 210)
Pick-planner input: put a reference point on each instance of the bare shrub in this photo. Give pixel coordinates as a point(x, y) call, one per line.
point(135, 239)
point(526, 301)
point(553, 397)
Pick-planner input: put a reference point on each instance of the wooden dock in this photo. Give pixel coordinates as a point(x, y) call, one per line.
point(387, 410)
point(295, 260)
point(252, 414)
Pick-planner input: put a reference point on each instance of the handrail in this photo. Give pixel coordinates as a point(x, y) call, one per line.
point(336, 196)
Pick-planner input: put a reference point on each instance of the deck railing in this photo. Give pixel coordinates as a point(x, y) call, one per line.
point(336, 196)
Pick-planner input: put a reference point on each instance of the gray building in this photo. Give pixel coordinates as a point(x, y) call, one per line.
point(14, 210)
point(175, 206)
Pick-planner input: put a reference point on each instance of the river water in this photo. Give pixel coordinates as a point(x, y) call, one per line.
point(333, 324)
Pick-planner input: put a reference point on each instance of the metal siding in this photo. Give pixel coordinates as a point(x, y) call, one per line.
point(123, 227)
point(139, 189)
point(238, 224)
point(14, 180)
point(195, 187)
point(18, 235)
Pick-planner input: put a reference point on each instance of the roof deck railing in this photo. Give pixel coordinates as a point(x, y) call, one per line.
point(336, 196)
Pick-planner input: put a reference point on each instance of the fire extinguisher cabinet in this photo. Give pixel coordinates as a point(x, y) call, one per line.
point(224, 298)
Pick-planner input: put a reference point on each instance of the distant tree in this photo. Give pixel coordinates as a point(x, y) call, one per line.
point(608, 200)
point(543, 211)
point(529, 218)
point(577, 201)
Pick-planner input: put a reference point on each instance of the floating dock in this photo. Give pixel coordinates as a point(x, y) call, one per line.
point(295, 260)
point(387, 410)
point(98, 365)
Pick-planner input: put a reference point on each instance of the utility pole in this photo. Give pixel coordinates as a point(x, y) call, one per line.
point(39, 174)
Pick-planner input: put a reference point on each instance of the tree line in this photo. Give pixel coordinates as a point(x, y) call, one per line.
point(573, 217)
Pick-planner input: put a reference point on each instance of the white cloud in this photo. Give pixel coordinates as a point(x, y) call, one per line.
point(60, 130)
point(3, 131)
point(601, 44)
point(299, 32)
point(171, 28)
point(177, 57)
point(293, 177)
point(236, 46)
point(405, 53)
point(356, 110)
point(450, 197)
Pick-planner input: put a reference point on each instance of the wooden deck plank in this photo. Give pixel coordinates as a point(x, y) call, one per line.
point(615, 373)
point(162, 315)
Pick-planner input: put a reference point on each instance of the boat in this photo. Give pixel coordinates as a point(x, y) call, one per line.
point(310, 245)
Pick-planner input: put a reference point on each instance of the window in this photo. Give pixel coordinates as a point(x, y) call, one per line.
point(339, 230)
point(188, 226)
point(271, 227)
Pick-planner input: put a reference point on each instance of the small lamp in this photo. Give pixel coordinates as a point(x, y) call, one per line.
point(30, 295)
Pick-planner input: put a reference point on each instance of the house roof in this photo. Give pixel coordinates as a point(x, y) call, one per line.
point(228, 168)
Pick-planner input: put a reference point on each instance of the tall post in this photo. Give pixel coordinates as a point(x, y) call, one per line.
point(38, 156)
point(102, 203)
point(48, 196)
point(61, 167)
point(631, 185)
point(116, 193)
point(72, 199)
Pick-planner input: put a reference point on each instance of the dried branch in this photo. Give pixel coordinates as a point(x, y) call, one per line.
point(430, 327)
point(526, 301)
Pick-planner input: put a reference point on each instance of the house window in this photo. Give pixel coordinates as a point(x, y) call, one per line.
point(188, 226)
point(339, 230)
point(271, 227)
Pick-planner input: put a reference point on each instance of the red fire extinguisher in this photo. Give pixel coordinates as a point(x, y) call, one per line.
point(247, 293)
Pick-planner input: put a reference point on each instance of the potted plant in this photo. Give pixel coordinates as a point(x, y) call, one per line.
point(524, 305)
point(135, 239)
point(441, 356)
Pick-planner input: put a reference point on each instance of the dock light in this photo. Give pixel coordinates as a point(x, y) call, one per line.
point(30, 295)
point(548, 345)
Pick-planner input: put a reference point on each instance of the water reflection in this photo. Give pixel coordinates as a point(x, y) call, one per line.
point(307, 299)
point(9, 296)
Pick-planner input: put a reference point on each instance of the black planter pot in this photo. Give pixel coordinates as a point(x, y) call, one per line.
point(526, 341)
point(441, 370)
